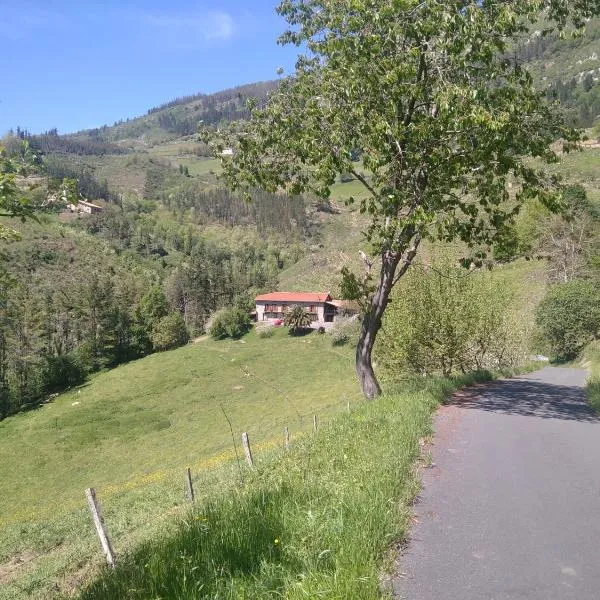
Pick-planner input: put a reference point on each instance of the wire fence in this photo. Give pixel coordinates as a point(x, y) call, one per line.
point(138, 508)
point(242, 450)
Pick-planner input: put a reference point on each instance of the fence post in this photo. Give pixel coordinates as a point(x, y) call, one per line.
point(286, 438)
point(315, 423)
point(248, 452)
point(96, 511)
point(348, 405)
point(189, 486)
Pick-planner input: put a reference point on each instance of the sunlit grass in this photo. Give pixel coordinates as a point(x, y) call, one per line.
point(314, 523)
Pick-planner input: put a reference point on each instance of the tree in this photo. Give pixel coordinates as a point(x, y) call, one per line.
point(229, 322)
point(444, 120)
point(297, 319)
point(170, 332)
point(569, 317)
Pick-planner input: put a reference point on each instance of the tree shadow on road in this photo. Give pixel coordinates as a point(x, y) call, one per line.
point(530, 398)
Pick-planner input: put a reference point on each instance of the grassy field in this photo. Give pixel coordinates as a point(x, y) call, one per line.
point(131, 431)
point(319, 522)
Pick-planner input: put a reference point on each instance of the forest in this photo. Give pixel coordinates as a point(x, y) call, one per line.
point(85, 294)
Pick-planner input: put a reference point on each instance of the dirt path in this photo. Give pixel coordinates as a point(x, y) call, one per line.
point(510, 508)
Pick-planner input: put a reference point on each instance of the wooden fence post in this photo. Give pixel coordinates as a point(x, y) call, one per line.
point(246, 444)
point(315, 423)
point(286, 438)
point(189, 486)
point(96, 511)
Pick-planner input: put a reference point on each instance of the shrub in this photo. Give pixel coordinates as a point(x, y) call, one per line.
point(592, 389)
point(170, 332)
point(345, 331)
point(446, 319)
point(569, 317)
point(229, 323)
point(265, 331)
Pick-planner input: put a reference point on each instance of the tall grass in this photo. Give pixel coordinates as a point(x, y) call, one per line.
point(592, 354)
point(317, 522)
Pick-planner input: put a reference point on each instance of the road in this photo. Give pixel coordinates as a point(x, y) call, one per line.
point(510, 508)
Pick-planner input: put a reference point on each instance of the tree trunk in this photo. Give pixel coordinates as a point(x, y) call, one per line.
point(372, 324)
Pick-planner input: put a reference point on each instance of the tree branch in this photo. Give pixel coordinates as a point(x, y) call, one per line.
point(410, 255)
point(364, 181)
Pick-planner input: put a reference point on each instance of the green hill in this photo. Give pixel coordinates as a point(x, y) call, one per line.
point(131, 431)
point(132, 428)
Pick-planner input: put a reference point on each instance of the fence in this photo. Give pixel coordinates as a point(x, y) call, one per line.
point(248, 448)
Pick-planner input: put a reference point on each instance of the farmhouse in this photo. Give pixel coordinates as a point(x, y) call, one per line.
point(321, 307)
point(85, 207)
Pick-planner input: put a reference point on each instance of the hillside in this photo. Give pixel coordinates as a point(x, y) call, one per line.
point(94, 297)
point(131, 431)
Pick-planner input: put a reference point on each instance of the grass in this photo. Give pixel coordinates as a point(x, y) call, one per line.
point(592, 389)
point(131, 431)
point(318, 522)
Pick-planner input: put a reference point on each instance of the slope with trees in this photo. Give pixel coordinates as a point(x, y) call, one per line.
point(443, 118)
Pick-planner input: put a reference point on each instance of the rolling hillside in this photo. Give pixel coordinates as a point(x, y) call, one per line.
point(135, 423)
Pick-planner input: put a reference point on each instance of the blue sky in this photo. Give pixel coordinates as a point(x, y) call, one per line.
point(78, 64)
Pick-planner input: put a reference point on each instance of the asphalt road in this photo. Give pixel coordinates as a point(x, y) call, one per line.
point(510, 508)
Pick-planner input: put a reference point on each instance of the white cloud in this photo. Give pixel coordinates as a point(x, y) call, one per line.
point(210, 26)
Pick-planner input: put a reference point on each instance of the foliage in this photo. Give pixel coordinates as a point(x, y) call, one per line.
point(269, 212)
point(444, 118)
point(445, 319)
point(568, 241)
point(229, 323)
point(13, 203)
point(344, 331)
point(169, 332)
point(265, 331)
point(297, 318)
point(569, 317)
point(59, 167)
point(50, 143)
point(592, 355)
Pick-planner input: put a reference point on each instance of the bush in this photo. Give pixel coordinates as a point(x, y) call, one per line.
point(170, 332)
point(447, 319)
point(569, 317)
point(345, 331)
point(229, 323)
point(592, 388)
point(265, 331)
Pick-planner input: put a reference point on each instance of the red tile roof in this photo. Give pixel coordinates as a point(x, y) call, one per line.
point(294, 297)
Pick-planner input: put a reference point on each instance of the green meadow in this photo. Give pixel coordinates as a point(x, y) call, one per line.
point(131, 431)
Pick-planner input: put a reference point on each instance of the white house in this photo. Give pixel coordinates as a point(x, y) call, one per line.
point(273, 306)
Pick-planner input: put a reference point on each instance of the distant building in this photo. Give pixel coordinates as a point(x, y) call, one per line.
point(85, 207)
point(271, 307)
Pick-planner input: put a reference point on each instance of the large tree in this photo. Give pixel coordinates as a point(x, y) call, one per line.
point(443, 118)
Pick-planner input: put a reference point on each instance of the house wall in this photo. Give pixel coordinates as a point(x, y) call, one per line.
point(261, 316)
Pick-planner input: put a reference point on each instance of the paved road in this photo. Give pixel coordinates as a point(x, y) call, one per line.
point(511, 507)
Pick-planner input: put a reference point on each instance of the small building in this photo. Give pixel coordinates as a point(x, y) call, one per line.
point(85, 207)
point(273, 306)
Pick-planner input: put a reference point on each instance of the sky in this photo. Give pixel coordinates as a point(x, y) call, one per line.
point(76, 64)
